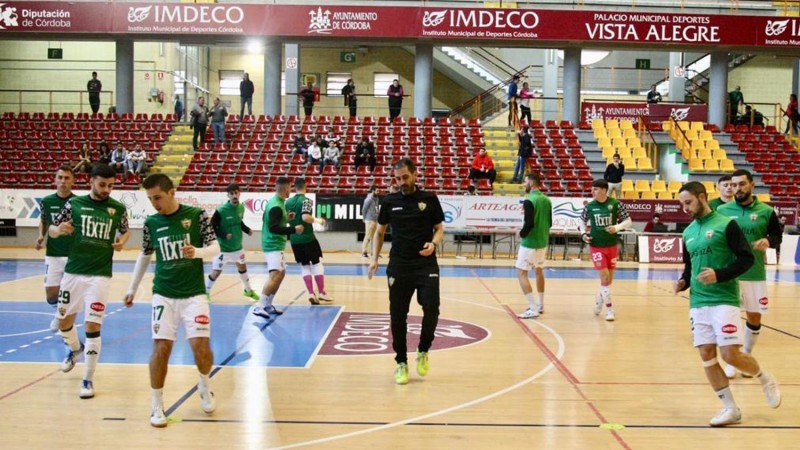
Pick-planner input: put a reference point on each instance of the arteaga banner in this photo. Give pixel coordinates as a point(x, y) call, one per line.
point(632, 111)
point(546, 26)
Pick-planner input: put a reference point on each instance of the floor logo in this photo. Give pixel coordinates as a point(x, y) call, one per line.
point(370, 334)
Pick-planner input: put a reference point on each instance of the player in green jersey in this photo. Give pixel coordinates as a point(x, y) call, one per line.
point(715, 252)
point(762, 229)
point(725, 192)
point(228, 226)
point(274, 232)
point(607, 217)
point(180, 236)
point(535, 234)
point(305, 245)
point(56, 250)
point(98, 225)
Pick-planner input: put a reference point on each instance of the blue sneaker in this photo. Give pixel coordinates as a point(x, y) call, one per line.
point(87, 389)
point(261, 312)
point(272, 310)
point(72, 357)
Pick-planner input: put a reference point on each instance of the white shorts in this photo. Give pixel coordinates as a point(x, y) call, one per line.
point(528, 258)
point(718, 325)
point(83, 293)
point(168, 313)
point(54, 270)
point(225, 257)
point(754, 296)
point(275, 261)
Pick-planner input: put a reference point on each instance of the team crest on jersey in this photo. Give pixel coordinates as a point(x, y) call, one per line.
point(610, 207)
point(422, 206)
point(186, 223)
point(709, 234)
point(156, 327)
point(391, 282)
point(111, 211)
point(753, 217)
point(62, 311)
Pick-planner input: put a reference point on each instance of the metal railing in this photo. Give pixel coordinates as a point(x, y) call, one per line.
point(488, 102)
point(43, 100)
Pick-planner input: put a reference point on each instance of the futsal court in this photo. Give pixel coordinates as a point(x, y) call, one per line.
point(322, 376)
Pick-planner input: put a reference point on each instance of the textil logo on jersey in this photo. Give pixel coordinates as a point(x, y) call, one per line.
point(8, 16)
point(776, 27)
point(320, 21)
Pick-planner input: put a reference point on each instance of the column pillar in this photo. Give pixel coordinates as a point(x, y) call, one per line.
point(677, 86)
point(718, 89)
point(549, 86)
point(423, 80)
point(272, 80)
point(123, 90)
point(572, 85)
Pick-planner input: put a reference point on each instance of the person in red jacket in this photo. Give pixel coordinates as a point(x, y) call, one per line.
point(482, 167)
point(792, 114)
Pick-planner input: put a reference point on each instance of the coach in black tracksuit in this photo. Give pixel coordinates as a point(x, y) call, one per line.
point(417, 223)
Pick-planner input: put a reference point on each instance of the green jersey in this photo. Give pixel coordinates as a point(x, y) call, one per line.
point(96, 223)
point(228, 220)
point(299, 205)
point(602, 215)
point(757, 221)
point(716, 203)
point(49, 207)
point(176, 276)
point(536, 229)
point(715, 242)
point(275, 240)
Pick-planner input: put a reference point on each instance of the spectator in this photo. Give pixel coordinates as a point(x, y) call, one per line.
point(300, 144)
point(482, 167)
point(103, 153)
point(792, 114)
point(365, 154)
point(614, 173)
point(178, 108)
point(512, 103)
point(369, 210)
point(308, 95)
point(655, 225)
point(314, 155)
point(331, 155)
point(653, 96)
point(119, 159)
point(137, 160)
point(218, 113)
point(751, 117)
point(470, 190)
point(349, 93)
point(736, 99)
point(246, 91)
point(84, 163)
point(525, 96)
point(94, 86)
point(199, 122)
point(395, 93)
point(523, 153)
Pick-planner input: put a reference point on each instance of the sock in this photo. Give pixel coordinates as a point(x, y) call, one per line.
point(319, 276)
point(245, 280)
point(209, 283)
point(531, 302)
point(307, 279)
point(751, 333)
point(157, 398)
point(265, 301)
point(92, 354)
point(762, 377)
point(203, 383)
point(726, 396)
point(71, 338)
point(541, 298)
point(605, 295)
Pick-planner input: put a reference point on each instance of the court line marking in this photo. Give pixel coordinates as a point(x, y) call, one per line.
point(26, 332)
point(324, 338)
point(543, 371)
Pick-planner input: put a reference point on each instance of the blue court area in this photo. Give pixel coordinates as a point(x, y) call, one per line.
point(238, 337)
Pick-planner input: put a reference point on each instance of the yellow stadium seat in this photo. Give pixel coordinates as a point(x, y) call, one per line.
point(675, 186)
point(603, 142)
point(666, 125)
point(644, 163)
point(600, 133)
point(598, 124)
point(713, 144)
point(665, 195)
point(711, 165)
point(659, 186)
point(630, 195)
point(704, 153)
point(697, 126)
point(710, 186)
point(719, 153)
point(633, 141)
point(705, 135)
point(726, 165)
point(630, 163)
point(642, 185)
point(691, 135)
point(647, 195)
point(683, 125)
point(698, 145)
point(626, 124)
point(713, 195)
point(624, 152)
point(612, 123)
point(608, 152)
point(638, 152)
point(696, 165)
point(618, 142)
point(614, 132)
point(763, 197)
point(627, 185)
point(629, 133)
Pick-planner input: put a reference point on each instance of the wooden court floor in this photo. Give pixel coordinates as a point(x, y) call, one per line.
point(568, 380)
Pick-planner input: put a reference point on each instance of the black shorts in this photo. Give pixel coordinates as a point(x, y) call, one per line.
point(308, 253)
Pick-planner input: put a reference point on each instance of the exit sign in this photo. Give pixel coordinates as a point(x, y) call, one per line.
point(642, 63)
point(347, 57)
point(55, 53)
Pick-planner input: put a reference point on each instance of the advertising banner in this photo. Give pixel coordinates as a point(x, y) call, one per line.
point(661, 249)
point(632, 111)
point(678, 111)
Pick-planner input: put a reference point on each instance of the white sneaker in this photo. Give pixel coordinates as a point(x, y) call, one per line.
point(261, 312)
point(771, 391)
point(313, 299)
point(323, 296)
point(529, 314)
point(87, 389)
point(598, 306)
point(54, 325)
point(726, 417)
point(207, 402)
point(72, 357)
point(730, 371)
point(610, 315)
point(540, 306)
point(157, 417)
